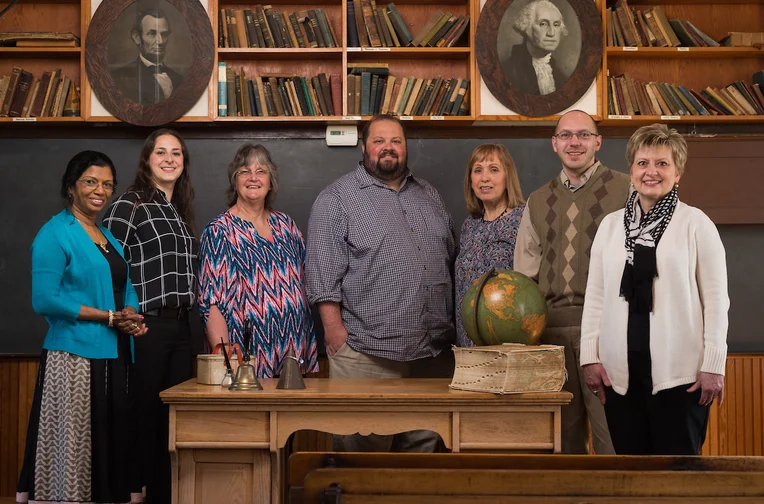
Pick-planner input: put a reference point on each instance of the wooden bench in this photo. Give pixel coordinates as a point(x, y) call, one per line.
point(377, 478)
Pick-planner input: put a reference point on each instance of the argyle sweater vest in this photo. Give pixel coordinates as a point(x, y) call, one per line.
point(566, 223)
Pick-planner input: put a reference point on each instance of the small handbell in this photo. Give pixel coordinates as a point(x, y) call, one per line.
point(245, 379)
point(291, 377)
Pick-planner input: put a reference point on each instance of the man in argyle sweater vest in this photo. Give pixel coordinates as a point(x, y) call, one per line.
point(553, 247)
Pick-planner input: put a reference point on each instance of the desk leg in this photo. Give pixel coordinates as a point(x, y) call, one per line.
point(558, 429)
point(277, 462)
point(278, 476)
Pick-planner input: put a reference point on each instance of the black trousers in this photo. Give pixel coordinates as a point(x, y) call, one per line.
point(670, 422)
point(162, 359)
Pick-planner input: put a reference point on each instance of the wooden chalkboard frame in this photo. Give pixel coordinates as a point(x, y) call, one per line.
point(532, 105)
point(195, 82)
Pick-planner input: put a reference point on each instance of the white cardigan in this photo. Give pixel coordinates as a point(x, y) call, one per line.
point(688, 325)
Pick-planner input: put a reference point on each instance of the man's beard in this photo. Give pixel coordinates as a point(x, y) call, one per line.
point(385, 170)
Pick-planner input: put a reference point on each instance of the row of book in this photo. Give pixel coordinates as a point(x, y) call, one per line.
point(52, 95)
point(371, 90)
point(628, 96)
point(277, 95)
point(630, 27)
point(263, 26)
point(372, 26)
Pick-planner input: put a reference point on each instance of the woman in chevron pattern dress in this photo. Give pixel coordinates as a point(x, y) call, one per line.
point(252, 263)
point(77, 444)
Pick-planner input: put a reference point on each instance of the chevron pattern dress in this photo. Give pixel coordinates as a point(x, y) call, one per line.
point(249, 277)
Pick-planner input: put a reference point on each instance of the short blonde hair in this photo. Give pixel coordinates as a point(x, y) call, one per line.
point(513, 193)
point(658, 135)
point(245, 156)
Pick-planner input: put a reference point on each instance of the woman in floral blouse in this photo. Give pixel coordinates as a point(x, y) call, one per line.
point(495, 204)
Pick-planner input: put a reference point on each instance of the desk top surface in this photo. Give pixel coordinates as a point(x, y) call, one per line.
point(357, 391)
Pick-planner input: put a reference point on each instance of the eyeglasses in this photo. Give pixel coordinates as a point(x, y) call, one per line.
point(92, 184)
point(246, 173)
point(582, 135)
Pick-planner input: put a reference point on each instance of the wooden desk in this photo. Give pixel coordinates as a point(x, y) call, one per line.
point(227, 446)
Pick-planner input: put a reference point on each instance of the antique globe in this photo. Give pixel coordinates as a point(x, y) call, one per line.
point(504, 307)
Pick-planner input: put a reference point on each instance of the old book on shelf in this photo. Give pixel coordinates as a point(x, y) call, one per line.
point(743, 39)
point(422, 33)
point(30, 98)
point(12, 87)
point(438, 25)
point(385, 16)
point(54, 38)
point(72, 104)
point(360, 23)
point(352, 28)
point(400, 26)
point(23, 88)
point(509, 368)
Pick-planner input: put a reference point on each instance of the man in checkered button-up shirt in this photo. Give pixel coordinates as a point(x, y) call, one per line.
point(380, 253)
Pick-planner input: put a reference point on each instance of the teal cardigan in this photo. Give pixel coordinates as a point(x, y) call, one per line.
point(68, 271)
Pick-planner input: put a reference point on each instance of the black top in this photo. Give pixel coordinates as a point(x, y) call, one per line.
point(160, 248)
point(118, 268)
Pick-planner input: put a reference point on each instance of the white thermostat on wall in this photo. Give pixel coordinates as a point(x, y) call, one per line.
point(341, 135)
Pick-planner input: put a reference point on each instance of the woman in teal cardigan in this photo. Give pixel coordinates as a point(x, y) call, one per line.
point(78, 438)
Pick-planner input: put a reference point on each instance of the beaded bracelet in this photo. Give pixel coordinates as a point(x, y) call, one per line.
point(111, 318)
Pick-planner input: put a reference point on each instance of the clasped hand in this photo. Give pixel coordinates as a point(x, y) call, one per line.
point(129, 322)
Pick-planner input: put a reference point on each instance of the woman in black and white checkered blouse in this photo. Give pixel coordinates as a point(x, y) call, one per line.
point(154, 221)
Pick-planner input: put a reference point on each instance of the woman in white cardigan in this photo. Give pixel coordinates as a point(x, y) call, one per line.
point(654, 328)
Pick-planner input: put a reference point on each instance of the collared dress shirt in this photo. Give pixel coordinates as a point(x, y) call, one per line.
point(387, 258)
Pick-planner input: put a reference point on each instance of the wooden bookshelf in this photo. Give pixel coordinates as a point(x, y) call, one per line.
point(693, 67)
point(420, 62)
point(43, 16)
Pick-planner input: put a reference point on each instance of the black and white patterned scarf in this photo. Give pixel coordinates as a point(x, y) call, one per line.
point(643, 232)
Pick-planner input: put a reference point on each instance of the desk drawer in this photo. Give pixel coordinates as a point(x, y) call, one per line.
point(512, 430)
point(222, 427)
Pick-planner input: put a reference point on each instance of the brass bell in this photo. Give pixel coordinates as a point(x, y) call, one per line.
point(291, 377)
point(245, 379)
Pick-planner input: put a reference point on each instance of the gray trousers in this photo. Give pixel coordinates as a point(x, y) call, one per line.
point(347, 363)
point(584, 404)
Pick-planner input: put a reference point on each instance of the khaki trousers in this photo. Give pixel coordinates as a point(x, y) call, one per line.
point(347, 363)
point(584, 404)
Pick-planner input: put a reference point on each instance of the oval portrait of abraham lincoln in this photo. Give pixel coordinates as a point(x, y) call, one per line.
point(147, 54)
point(149, 61)
point(539, 57)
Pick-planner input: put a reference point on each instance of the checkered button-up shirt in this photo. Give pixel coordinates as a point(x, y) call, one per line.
point(160, 247)
point(387, 257)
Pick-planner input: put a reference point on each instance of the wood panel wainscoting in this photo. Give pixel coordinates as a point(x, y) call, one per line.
point(735, 428)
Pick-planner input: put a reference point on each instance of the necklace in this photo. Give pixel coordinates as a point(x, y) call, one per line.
point(498, 216)
point(102, 245)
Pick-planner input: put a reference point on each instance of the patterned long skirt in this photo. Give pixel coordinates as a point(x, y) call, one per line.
point(78, 445)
